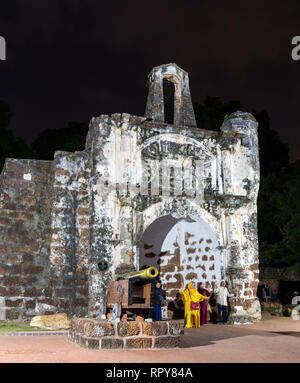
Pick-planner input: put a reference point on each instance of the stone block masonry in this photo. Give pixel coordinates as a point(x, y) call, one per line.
point(36, 278)
point(99, 334)
point(70, 229)
point(24, 237)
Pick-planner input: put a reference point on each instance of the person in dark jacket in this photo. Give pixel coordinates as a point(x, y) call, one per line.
point(158, 300)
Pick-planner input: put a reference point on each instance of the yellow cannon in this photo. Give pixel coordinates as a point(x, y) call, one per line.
point(149, 273)
point(136, 287)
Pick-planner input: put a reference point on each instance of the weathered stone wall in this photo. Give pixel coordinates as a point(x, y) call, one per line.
point(24, 237)
point(142, 192)
point(70, 228)
point(283, 274)
point(273, 284)
point(135, 191)
point(45, 221)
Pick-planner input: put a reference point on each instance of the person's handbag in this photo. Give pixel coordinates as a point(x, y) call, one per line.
point(195, 305)
point(208, 308)
point(162, 302)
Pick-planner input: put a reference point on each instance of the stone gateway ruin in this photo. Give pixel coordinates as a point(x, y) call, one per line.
point(143, 193)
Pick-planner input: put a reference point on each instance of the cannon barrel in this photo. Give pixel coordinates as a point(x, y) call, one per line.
point(149, 273)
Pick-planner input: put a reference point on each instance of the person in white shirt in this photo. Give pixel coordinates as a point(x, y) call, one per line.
point(222, 294)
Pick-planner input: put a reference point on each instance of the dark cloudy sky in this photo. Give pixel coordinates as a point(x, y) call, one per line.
point(69, 60)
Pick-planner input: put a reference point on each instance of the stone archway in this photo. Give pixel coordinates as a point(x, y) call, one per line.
point(184, 249)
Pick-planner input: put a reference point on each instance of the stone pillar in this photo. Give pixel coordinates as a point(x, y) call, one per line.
point(245, 125)
point(226, 167)
point(63, 238)
point(126, 236)
point(112, 144)
point(242, 162)
point(233, 242)
point(102, 230)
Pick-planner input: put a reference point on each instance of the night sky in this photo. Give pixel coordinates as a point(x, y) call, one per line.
point(70, 60)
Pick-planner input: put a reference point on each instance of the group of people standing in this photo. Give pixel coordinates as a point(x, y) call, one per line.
point(197, 302)
point(197, 306)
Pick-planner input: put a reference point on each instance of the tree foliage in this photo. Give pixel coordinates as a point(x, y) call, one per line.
point(273, 153)
point(70, 139)
point(211, 114)
point(279, 217)
point(10, 145)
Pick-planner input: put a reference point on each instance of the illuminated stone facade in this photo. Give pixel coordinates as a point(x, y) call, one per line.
point(143, 192)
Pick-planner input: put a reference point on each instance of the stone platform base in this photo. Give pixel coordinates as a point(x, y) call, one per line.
point(100, 334)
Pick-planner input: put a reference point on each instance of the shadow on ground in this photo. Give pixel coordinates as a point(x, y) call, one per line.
point(211, 333)
point(290, 333)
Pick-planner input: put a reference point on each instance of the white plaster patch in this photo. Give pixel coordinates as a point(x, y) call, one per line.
point(2, 309)
point(195, 241)
point(27, 176)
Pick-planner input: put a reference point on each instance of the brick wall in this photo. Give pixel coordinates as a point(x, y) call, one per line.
point(44, 236)
point(285, 273)
point(24, 237)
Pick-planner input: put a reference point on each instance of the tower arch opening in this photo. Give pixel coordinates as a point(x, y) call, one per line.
point(169, 101)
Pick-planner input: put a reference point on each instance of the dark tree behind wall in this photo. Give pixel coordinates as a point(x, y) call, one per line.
point(10, 145)
point(69, 139)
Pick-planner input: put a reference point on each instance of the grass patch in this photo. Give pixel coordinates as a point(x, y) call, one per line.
point(10, 326)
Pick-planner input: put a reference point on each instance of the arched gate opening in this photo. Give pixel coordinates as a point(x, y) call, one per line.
point(183, 249)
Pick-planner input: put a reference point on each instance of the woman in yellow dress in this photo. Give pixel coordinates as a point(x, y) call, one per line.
point(191, 317)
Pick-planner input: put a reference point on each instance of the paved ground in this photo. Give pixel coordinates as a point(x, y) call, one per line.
point(274, 339)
